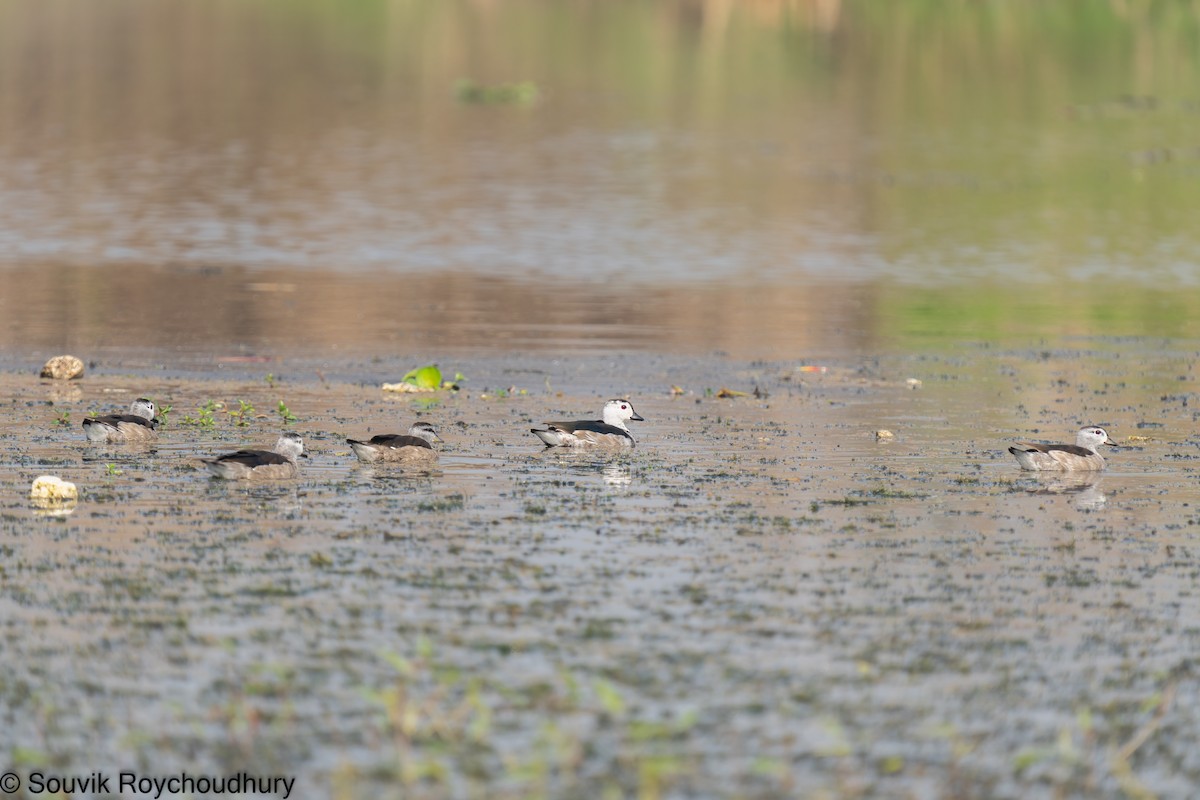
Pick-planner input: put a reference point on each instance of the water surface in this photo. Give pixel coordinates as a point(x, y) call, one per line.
point(962, 223)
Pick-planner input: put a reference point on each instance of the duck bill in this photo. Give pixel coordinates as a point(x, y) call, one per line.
point(1108, 441)
point(637, 417)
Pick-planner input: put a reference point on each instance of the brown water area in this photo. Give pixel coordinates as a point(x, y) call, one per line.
point(839, 255)
point(191, 312)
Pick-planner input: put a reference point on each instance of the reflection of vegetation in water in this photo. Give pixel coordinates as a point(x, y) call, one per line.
point(1049, 130)
point(917, 318)
point(522, 94)
point(932, 141)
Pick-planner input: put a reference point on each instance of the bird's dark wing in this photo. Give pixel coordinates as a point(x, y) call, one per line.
point(252, 458)
point(1073, 449)
point(397, 440)
point(113, 420)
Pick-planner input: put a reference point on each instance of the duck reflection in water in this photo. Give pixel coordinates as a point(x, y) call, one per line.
point(1085, 486)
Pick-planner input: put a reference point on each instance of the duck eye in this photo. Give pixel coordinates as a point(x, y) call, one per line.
point(623, 408)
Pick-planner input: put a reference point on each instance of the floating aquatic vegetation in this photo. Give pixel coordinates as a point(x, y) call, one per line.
point(525, 93)
point(424, 379)
point(428, 377)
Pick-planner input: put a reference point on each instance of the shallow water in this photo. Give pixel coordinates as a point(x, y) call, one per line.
point(761, 599)
point(962, 223)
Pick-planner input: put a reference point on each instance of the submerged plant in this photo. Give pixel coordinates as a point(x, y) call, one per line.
point(452, 502)
point(204, 415)
point(243, 414)
point(442, 721)
point(502, 393)
point(286, 414)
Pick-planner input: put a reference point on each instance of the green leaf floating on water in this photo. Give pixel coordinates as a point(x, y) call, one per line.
point(428, 377)
point(424, 379)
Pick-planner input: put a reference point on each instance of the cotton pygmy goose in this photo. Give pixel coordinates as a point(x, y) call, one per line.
point(276, 464)
point(136, 426)
point(415, 447)
point(1079, 456)
point(608, 432)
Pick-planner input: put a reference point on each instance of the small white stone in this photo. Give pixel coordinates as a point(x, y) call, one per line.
point(51, 487)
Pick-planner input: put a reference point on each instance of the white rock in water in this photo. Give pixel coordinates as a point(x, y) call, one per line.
point(63, 368)
point(51, 487)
